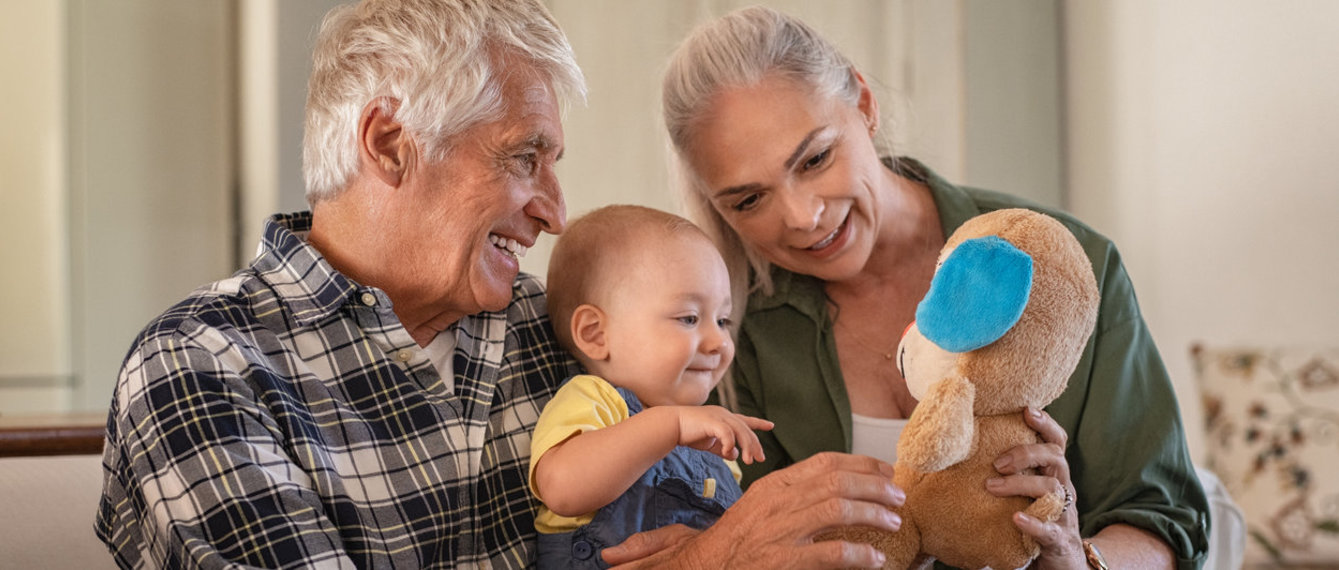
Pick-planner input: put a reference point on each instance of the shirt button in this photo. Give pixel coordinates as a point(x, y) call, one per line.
point(369, 299)
point(581, 550)
point(404, 354)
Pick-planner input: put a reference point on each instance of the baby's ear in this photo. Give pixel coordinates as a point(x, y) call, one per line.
point(588, 323)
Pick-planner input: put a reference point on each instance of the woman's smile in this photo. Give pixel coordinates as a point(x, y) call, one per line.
point(836, 238)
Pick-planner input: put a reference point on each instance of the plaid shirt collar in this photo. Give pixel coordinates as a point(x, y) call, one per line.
point(309, 286)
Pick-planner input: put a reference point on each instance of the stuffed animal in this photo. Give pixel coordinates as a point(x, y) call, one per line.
point(1009, 310)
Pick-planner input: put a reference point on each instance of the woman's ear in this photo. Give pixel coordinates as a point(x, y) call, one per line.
point(867, 103)
point(588, 323)
point(383, 145)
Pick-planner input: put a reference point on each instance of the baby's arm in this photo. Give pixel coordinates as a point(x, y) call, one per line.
point(591, 469)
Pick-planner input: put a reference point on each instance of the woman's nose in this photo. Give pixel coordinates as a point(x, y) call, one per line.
point(802, 210)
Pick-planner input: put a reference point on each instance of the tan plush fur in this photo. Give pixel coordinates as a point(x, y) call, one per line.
point(971, 408)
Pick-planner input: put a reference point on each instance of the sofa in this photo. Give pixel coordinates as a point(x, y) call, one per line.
point(48, 504)
point(1272, 437)
point(49, 501)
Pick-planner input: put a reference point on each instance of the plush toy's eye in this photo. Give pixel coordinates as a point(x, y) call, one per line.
point(977, 294)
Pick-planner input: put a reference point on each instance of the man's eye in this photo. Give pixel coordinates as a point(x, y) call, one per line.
point(526, 162)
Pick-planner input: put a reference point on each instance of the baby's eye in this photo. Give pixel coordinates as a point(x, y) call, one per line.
point(724, 323)
point(689, 320)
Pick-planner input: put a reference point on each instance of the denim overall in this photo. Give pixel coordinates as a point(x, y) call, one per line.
point(669, 492)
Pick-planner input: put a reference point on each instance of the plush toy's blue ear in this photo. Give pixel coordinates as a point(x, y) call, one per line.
point(977, 294)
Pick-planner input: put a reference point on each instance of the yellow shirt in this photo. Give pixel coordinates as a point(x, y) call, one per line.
point(583, 404)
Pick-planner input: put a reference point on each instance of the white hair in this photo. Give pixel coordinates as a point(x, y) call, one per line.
point(741, 49)
point(433, 64)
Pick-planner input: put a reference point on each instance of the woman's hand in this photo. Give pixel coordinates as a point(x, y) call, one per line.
point(773, 525)
point(1061, 544)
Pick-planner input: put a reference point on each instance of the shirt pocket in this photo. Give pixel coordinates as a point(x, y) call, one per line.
point(694, 489)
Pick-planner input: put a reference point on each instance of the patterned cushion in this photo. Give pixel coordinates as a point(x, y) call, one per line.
point(1273, 438)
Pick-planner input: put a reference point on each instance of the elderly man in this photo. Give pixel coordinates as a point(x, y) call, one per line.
point(362, 394)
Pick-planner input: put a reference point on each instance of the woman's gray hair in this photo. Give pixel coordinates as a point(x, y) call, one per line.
point(741, 49)
point(433, 64)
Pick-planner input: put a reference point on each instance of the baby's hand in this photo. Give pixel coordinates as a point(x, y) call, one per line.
point(722, 432)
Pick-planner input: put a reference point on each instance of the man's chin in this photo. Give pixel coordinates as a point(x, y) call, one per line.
point(494, 293)
point(497, 298)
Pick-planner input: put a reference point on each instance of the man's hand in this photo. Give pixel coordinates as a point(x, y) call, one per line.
point(644, 544)
point(773, 525)
point(720, 431)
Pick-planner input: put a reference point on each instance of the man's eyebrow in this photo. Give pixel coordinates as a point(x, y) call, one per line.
point(536, 141)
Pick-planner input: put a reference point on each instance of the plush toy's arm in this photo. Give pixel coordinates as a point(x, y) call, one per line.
point(940, 431)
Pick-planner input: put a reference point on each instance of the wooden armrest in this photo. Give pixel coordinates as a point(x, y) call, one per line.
point(72, 434)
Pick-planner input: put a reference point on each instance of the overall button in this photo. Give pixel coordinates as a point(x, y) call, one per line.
point(582, 550)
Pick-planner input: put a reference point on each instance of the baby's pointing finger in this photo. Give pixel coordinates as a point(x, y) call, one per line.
point(757, 423)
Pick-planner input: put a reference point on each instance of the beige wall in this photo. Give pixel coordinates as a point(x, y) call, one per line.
point(117, 181)
point(34, 281)
point(1203, 137)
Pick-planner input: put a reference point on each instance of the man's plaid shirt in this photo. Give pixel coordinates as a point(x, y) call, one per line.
point(284, 417)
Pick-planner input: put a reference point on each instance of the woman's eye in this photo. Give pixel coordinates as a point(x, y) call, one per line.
point(817, 160)
point(746, 203)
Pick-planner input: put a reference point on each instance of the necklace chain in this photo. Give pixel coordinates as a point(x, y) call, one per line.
point(886, 354)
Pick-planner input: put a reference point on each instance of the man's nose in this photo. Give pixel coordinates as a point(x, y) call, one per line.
point(547, 205)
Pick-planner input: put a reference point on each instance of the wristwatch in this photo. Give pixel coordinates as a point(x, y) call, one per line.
point(1094, 556)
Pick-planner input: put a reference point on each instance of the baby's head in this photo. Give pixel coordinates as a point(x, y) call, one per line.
point(642, 298)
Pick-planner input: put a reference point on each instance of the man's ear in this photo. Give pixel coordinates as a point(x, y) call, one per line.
point(384, 147)
point(588, 323)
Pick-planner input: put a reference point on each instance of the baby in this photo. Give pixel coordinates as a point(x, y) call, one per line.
point(642, 298)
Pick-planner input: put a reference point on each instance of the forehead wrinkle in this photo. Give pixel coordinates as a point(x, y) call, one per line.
point(533, 96)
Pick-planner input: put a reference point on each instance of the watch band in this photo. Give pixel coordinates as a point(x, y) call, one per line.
point(1094, 556)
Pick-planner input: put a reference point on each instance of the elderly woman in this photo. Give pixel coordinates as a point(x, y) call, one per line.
point(835, 243)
